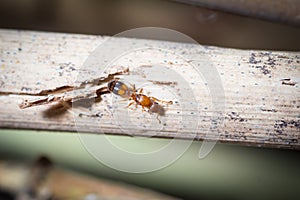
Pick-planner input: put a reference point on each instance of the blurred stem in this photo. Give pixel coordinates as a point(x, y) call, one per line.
point(278, 11)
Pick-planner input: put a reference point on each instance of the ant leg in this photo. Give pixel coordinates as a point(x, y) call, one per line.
point(133, 87)
point(141, 91)
point(161, 101)
point(158, 119)
point(135, 90)
point(143, 109)
point(136, 105)
point(130, 104)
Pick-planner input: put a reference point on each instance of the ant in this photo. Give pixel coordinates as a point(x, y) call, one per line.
point(151, 103)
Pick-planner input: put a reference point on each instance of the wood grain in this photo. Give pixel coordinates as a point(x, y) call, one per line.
point(261, 88)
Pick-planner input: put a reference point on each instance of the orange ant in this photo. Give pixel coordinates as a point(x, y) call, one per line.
point(151, 103)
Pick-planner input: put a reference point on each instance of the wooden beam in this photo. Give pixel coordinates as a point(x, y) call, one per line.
point(261, 88)
point(278, 11)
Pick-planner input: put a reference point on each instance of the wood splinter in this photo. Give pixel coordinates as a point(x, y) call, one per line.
point(73, 93)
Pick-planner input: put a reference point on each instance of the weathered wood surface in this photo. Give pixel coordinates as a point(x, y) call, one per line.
point(262, 104)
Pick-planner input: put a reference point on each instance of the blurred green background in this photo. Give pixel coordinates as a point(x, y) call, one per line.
point(228, 172)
